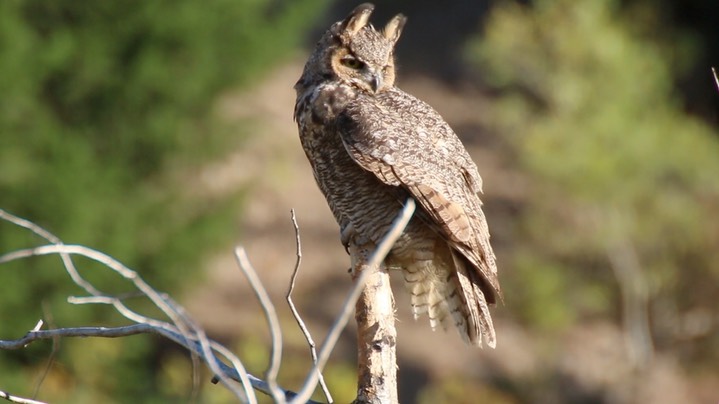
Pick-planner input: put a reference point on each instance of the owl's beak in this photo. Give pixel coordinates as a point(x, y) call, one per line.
point(371, 78)
point(374, 79)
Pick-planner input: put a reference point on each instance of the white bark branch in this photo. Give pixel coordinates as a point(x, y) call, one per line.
point(15, 399)
point(273, 323)
point(374, 262)
point(296, 314)
point(182, 329)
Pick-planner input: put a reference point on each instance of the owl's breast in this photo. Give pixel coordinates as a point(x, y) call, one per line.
point(316, 113)
point(354, 194)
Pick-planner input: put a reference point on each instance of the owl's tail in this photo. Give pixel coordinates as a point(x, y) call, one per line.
point(449, 292)
point(475, 309)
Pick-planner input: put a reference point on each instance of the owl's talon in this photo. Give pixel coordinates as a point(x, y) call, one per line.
point(346, 234)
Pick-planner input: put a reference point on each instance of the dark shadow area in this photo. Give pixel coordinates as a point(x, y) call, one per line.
point(432, 40)
point(411, 379)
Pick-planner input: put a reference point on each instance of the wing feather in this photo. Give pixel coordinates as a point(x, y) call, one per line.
point(417, 150)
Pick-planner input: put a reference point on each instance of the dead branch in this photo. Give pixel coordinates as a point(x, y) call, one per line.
point(136, 329)
point(113, 332)
point(296, 314)
point(47, 314)
point(182, 329)
point(180, 321)
point(273, 323)
point(371, 267)
point(16, 399)
point(376, 334)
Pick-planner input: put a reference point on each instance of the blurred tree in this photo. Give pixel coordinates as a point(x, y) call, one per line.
point(619, 168)
point(459, 390)
point(693, 24)
point(99, 101)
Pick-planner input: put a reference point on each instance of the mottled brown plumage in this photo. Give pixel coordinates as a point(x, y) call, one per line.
point(372, 146)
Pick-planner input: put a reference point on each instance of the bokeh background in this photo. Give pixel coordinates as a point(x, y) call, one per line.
point(161, 133)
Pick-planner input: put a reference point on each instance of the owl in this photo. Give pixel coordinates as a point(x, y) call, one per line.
point(371, 147)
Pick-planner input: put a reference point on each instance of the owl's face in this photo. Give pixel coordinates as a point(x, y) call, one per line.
point(354, 52)
point(365, 61)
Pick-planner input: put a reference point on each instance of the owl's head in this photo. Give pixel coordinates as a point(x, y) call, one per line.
point(354, 52)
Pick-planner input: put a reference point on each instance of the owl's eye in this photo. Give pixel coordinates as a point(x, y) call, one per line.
point(352, 62)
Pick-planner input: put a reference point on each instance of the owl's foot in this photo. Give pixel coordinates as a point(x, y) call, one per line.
point(346, 234)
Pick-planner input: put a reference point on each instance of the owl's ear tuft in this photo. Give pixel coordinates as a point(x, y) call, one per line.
point(357, 19)
point(393, 29)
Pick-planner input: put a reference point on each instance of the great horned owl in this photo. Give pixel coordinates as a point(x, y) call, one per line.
point(372, 146)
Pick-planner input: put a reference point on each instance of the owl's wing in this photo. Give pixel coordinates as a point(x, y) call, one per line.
point(404, 142)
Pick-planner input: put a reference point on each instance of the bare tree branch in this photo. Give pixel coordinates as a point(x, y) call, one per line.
point(104, 332)
point(296, 314)
point(135, 329)
point(374, 262)
point(273, 322)
point(16, 399)
point(376, 333)
point(181, 321)
point(716, 78)
point(46, 235)
point(182, 329)
point(47, 314)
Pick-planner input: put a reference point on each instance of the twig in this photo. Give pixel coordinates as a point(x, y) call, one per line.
point(238, 373)
point(273, 322)
point(109, 262)
point(376, 259)
point(136, 329)
point(104, 332)
point(16, 399)
point(716, 78)
point(183, 331)
point(55, 347)
point(78, 279)
point(193, 357)
point(296, 314)
point(67, 261)
point(183, 323)
point(65, 253)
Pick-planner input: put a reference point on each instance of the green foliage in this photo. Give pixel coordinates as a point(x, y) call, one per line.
point(459, 390)
point(100, 100)
point(587, 100)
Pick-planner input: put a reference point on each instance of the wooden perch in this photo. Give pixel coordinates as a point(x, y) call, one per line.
point(367, 270)
point(376, 333)
point(374, 313)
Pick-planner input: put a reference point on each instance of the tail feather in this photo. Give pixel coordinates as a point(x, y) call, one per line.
point(476, 311)
point(450, 294)
point(428, 292)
